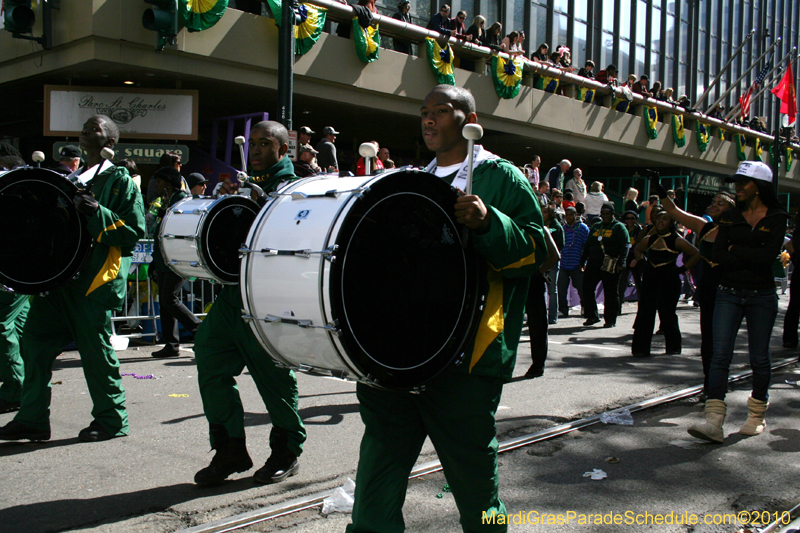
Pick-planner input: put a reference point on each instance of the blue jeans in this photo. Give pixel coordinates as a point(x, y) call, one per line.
point(552, 295)
point(760, 307)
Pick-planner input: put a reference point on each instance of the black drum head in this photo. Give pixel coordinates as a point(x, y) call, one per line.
point(44, 242)
point(403, 288)
point(223, 233)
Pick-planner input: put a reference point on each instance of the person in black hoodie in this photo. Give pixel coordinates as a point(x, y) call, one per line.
point(749, 238)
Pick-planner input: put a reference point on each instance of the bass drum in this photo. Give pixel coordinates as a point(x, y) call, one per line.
point(201, 237)
point(363, 278)
point(44, 241)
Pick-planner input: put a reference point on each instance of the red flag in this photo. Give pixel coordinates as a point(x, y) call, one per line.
point(785, 91)
point(744, 102)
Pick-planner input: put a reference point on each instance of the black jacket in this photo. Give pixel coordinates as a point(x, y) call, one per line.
point(748, 263)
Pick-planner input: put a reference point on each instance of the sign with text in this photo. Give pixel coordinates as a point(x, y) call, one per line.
point(138, 113)
point(143, 253)
point(141, 154)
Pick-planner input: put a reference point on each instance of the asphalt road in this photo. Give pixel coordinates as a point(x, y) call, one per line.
point(143, 482)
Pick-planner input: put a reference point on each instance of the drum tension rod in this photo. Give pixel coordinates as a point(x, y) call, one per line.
point(299, 322)
point(297, 195)
point(298, 253)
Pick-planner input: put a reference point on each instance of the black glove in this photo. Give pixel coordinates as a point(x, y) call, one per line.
point(261, 196)
point(656, 187)
point(85, 203)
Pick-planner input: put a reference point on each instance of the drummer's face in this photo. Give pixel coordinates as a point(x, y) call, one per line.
point(264, 150)
point(93, 136)
point(442, 123)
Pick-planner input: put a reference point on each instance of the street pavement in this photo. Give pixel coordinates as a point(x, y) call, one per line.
point(143, 482)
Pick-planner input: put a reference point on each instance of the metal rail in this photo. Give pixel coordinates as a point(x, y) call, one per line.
point(300, 504)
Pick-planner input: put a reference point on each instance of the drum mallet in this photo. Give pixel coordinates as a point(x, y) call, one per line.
point(240, 141)
point(472, 132)
point(37, 157)
point(105, 153)
point(368, 151)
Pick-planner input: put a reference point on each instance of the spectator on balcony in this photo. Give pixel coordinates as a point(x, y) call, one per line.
point(494, 36)
point(630, 81)
point(441, 21)
point(588, 70)
point(554, 61)
point(608, 75)
point(477, 31)
point(403, 15)
point(565, 62)
point(577, 186)
point(686, 104)
point(459, 28)
point(511, 44)
point(667, 97)
point(640, 86)
point(658, 94)
point(533, 172)
point(718, 112)
point(541, 55)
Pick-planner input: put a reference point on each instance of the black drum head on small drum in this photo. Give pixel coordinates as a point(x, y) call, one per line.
point(407, 294)
point(224, 232)
point(44, 241)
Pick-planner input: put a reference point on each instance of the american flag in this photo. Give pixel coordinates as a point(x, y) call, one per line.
point(744, 100)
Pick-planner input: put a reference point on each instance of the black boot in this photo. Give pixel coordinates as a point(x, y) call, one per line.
point(231, 457)
point(282, 463)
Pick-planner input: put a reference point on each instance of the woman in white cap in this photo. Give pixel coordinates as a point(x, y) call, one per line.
point(749, 239)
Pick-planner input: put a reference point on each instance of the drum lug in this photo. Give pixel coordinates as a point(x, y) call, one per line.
point(297, 253)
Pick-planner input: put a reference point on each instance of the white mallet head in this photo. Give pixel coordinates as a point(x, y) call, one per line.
point(368, 150)
point(37, 156)
point(472, 131)
point(239, 140)
point(107, 153)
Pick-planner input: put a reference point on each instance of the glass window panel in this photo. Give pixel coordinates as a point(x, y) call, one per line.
point(640, 53)
point(684, 10)
point(582, 9)
point(682, 79)
point(671, 6)
point(655, 65)
point(714, 16)
point(655, 40)
point(684, 42)
point(518, 7)
point(539, 27)
point(737, 24)
point(421, 10)
point(561, 5)
point(670, 35)
point(625, 20)
point(670, 78)
point(607, 52)
point(579, 45)
point(641, 22)
point(624, 59)
point(702, 13)
point(713, 68)
point(726, 28)
point(608, 15)
point(559, 31)
point(491, 10)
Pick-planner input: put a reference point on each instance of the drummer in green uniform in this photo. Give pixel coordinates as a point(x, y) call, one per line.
point(225, 345)
point(458, 410)
point(13, 312)
point(80, 310)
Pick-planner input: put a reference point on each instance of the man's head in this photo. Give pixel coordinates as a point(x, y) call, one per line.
point(307, 153)
point(383, 154)
point(577, 173)
point(170, 159)
point(304, 135)
point(544, 186)
point(565, 164)
point(571, 214)
point(330, 133)
point(269, 142)
point(461, 16)
point(98, 132)
point(197, 183)
point(607, 212)
point(70, 156)
point(611, 70)
point(644, 80)
point(536, 161)
point(444, 10)
point(589, 66)
point(445, 111)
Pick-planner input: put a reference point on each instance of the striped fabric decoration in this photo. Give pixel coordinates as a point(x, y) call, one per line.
point(741, 144)
point(650, 115)
point(307, 32)
point(584, 94)
point(441, 61)
point(507, 76)
point(759, 150)
point(546, 84)
point(367, 41)
point(678, 131)
point(199, 15)
point(702, 135)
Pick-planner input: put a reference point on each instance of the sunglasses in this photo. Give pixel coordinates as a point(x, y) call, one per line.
point(629, 218)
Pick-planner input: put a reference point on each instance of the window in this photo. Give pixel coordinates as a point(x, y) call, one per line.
point(608, 15)
point(625, 21)
point(539, 29)
point(559, 31)
point(491, 10)
point(624, 60)
point(670, 35)
point(655, 41)
point(641, 23)
point(582, 10)
point(702, 57)
point(655, 65)
point(518, 12)
point(561, 5)
point(669, 79)
point(713, 66)
point(684, 42)
point(640, 54)
point(578, 46)
point(714, 17)
point(607, 51)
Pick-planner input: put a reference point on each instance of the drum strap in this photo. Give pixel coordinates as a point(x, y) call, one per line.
point(460, 180)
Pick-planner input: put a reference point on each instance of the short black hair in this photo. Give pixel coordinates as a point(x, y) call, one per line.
point(169, 159)
point(276, 130)
point(461, 98)
point(7, 149)
point(109, 127)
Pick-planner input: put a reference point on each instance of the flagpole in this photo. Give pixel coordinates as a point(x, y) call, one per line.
point(772, 80)
point(735, 84)
point(725, 68)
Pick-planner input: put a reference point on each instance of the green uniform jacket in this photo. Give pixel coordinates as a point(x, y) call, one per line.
point(158, 256)
point(269, 179)
point(615, 242)
point(514, 247)
point(116, 227)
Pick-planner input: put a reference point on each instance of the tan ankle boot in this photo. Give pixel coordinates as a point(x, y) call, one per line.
point(755, 423)
point(711, 429)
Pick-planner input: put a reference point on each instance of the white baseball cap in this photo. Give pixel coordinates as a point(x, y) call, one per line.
point(751, 170)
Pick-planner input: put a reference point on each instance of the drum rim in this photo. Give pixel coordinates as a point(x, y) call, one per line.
point(85, 243)
point(215, 209)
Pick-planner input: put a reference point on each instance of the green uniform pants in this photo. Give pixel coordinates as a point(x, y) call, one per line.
point(223, 346)
point(457, 412)
point(13, 311)
point(54, 321)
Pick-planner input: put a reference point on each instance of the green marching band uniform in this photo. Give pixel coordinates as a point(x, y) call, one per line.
point(13, 312)
point(80, 310)
point(458, 410)
point(224, 345)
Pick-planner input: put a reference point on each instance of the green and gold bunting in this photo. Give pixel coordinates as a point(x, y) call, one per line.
point(721, 134)
point(507, 76)
point(367, 40)
point(584, 94)
point(621, 104)
point(758, 150)
point(702, 135)
point(546, 84)
point(307, 32)
point(789, 158)
point(741, 144)
point(441, 61)
point(651, 120)
point(678, 132)
point(199, 15)
point(275, 7)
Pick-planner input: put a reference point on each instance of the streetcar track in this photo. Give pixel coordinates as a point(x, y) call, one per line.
point(250, 518)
